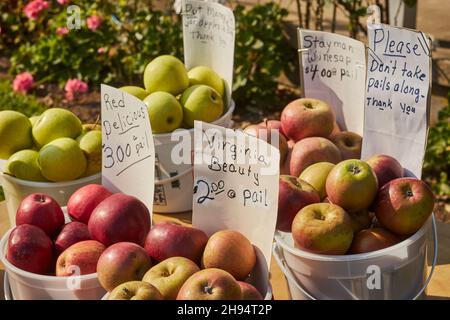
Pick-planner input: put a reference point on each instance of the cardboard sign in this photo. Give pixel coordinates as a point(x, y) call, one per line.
point(208, 38)
point(333, 69)
point(235, 184)
point(128, 151)
point(397, 95)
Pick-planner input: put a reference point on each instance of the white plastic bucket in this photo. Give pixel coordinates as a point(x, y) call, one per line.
point(175, 182)
point(25, 285)
point(394, 273)
point(17, 189)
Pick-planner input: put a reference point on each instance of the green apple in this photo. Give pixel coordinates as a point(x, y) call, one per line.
point(34, 119)
point(56, 123)
point(164, 111)
point(316, 175)
point(62, 160)
point(202, 103)
point(91, 144)
point(138, 92)
point(85, 128)
point(166, 73)
point(15, 133)
point(24, 165)
point(206, 76)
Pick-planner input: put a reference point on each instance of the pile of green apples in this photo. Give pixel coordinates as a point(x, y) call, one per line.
point(175, 97)
point(54, 146)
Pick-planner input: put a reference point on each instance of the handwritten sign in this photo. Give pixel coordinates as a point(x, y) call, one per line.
point(235, 184)
point(208, 38)
point(397, 93)
point(128, 151)
point(333, 69)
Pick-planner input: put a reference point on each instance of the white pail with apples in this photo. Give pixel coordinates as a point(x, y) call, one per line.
point(395, 273)
point(17, 189)
point(23, 285)
point(174, 182)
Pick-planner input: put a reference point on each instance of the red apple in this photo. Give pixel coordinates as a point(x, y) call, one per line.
point(120, 218)
point(84, 200)
point(249, 292)
point(42, 211)
point(70, 234)
point(336, 129)
point(122, 262)
point(371, 240)
point(167, 239)
point(293, 195)
point(403, 205)
point(305, 117)
point(80, 258)
point(30, 249)
point(352, 184)
point(361, 220)
point(273, 124)
point(386, 168)
point(310, 151)
point(349, 144)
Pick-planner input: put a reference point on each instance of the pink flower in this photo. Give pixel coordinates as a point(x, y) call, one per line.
point(75, 86)
point(101, 50)
point(23, 82)
point(33, 8)
point(62, 31)
point(62, 2)
point(93, 22)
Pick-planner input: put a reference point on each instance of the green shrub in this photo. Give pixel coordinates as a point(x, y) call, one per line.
point(27, 104)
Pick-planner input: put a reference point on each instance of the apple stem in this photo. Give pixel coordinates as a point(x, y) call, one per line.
point(208, 290)
point(42, 198)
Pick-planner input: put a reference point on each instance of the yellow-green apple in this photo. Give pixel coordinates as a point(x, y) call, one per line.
point(361, 220)
point(249, 292)
point(85, 128)
point(91, 144)
point(306, 117)
point(312, 150)
point(352, 184)
point(349, 143)
point(138, 92)
point(82, 202)
point(386, 168)
point(120, 263)
point(33, 120)
point(15, 133)
point(202, 103)
point(24, 165)
point(42, 211)
point(293, 195)
point(371, 240)
point(169, 275)
point(120, 218)
point(164, 111)
point(210, 284)
point(316, 175)
point(80, 258)
point(206, 76)
point(135, 290)
point(231, 251)
point(30, 249)
point(166, 73)
point(322, 228)
point(56, 123)
point(62, 160)
point(261, 131)
point(167, 239)
point(73, 232)
point(403, 205)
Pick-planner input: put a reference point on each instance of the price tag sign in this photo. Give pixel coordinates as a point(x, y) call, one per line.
point(235, 184)
point(333, 69)
point(397, 95)
point(208, 38)
point(128, 151)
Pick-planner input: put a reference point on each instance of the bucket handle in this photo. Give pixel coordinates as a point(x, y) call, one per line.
point(174, 178)
point(288, 274)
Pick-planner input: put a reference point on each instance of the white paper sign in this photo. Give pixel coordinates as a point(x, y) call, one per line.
point(235, 184)
point(128, 150)
point(208, 38)
point(397, 93)
point(333, 69)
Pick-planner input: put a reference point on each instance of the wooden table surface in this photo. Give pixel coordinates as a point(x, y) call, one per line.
point(439, 287)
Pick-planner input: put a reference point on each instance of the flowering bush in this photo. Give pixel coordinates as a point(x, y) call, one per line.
point(23, 82)
point(74, 86)
point(33, 8)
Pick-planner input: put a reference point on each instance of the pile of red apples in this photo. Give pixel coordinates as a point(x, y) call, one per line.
point(110, 234)
point(332, 202)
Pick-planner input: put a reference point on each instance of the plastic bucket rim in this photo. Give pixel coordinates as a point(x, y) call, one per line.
point(353, 257)
point(43, 184)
